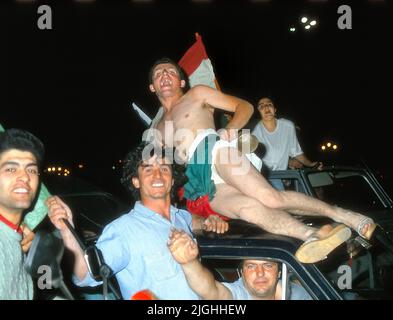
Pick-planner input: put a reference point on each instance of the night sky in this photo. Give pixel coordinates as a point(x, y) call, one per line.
point(72, 85)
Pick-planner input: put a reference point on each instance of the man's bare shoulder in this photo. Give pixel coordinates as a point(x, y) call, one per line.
point(201, 91)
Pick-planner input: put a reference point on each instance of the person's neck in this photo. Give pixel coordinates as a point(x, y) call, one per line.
point(270, 297)
point(14, 217)
point(168, 102)
point(160, 206)
point(270, 124)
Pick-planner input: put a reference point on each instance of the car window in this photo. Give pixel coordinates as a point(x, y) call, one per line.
point(92, 212)
point(348, 189)
point(229, 270)
point(293, 184)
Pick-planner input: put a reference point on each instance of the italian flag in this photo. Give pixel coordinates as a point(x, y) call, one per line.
point(198, 66)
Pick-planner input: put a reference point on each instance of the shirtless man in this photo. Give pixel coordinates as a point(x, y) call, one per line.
point(232, 188)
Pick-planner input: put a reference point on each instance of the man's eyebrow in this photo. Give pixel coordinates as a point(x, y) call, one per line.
point(14, 163)
point(145, 165)
point(165, 164)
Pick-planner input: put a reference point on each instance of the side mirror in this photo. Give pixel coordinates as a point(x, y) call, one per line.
point(95, 262)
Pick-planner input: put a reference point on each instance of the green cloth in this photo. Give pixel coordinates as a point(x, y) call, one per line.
point(199, 172)
point(34, 217)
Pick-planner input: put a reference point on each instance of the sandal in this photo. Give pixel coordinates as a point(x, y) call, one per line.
point(322, 242)
point(370, 230)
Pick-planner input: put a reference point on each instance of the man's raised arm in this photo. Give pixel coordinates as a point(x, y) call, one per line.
point(58, 210)
point(242, 109)
point(185, 251)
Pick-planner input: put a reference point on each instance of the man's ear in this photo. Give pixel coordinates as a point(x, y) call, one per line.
point(135, 182)
point(151, 87)
point(173, 182)
point(182, 83)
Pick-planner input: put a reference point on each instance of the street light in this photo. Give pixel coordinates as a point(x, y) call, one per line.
point(329, 146)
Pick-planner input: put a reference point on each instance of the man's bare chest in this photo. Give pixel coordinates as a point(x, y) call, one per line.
point(180, 117)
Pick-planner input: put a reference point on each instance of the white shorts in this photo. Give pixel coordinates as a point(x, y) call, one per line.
point(254, 159)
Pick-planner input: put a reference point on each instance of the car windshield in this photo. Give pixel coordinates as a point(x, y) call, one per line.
point(93, 208)
point(347, 189)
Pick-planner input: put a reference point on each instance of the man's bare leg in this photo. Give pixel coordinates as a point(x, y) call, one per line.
point(252, 184)
point(319, 243)
point(232, 203)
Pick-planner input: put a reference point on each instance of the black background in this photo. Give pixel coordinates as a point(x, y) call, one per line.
point(72, 85)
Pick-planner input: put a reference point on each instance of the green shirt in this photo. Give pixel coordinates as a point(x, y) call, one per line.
point(15, 282)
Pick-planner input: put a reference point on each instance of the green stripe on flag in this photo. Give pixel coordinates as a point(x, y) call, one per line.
point(34, 217)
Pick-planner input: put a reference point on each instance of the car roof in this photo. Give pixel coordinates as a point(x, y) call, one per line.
point(244, 234)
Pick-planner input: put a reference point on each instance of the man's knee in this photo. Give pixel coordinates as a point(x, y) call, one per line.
point(249, 209)
point(272, 198)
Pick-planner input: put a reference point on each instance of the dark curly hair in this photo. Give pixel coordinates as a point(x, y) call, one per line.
point(22, 140)
point(143, 152)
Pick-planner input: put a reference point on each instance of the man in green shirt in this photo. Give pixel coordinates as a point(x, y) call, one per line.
point(21, 155)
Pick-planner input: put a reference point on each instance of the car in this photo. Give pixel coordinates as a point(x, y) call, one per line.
point(358, 269)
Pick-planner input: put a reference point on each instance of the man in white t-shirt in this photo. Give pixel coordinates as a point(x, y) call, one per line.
point(280, 140)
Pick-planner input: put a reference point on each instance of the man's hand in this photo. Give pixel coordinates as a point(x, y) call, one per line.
point(228, 134)
point(28, 237)
point(215, 224)
point(318, 165)
point(182, 247)
point(58, 210)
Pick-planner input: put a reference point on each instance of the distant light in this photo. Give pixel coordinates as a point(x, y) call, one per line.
point(66, 174)
point(292, 29)
point(119, 161)
point(49, 169)
point(304, 20)
point(113, 168)
point(80, 166)
point(59, 169)
point(329, 144)
point(313, 23)
point(53, 169)
point(335, 147)
point(307, 27)
point(323, 147)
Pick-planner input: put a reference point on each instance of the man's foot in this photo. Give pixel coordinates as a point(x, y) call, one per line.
point(366, 228)
point(322, 242)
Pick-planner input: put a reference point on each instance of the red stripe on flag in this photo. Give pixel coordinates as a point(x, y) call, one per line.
point(194, 56)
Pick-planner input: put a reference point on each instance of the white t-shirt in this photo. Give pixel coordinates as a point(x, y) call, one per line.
point(280, 144)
